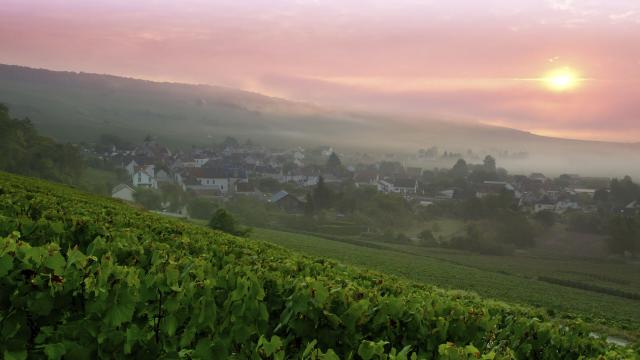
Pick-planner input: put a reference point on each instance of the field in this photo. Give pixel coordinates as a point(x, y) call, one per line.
point(517, 279)
point(85, 277)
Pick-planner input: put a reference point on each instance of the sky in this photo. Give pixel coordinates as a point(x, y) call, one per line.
point(486, 61)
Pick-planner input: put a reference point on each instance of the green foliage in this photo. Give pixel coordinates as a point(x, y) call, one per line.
point(586, 223)
point(546, 217)
point(173, 195)
point(200, 208)
point(321, 195)
point(23, 151)
point(460, 169)
point(489, 164)
point(88, 277)
point(150, 199)
point(224, 221)
point(624, 234)
point(427, 238)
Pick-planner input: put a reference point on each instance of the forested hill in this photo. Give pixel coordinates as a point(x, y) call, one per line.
point(24, 151)
point(85, 277)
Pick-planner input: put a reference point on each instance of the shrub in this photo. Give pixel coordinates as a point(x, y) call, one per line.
point(224, 221)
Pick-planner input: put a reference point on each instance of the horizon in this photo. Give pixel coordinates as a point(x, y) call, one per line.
point(547, 68)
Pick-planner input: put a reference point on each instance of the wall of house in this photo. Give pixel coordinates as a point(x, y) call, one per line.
point(123, 194)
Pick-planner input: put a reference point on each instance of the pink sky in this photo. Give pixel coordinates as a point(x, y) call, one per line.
point(454, 59)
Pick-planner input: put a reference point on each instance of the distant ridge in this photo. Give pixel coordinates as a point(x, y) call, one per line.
point(75, 106)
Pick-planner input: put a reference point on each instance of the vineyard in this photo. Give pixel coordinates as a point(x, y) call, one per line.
point(85, 277)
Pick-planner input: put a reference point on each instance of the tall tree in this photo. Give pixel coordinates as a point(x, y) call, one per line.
point(333, 163)
point(321, 195)
point(490, 163)
point(460, 169)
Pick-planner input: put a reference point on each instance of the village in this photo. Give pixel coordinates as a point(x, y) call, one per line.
point(233, 169)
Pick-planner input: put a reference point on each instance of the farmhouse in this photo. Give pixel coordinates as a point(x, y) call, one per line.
point(123, 192)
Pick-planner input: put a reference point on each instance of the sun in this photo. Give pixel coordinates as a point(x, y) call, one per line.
point(563, 79)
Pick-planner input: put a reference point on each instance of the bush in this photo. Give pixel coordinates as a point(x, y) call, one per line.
point(150, 199)
point(201, 208)
point(427, 238)
point(224, 221)
point(585, 223)
point(546, 217)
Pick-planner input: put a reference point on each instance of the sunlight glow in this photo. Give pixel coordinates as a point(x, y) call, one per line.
point(562, 79)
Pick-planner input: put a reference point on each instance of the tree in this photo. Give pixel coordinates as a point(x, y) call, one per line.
point(201, 208)
point(546, 217)
point(150, 199)
point(25, 152)
point(230, 142)
point(624, 191)
point(427, 238)
point(224, 221)
point(623, 235)
point(173, 195)
point(489, 163)
point(333, 163)
point(309, 207)
point(321, 195)
point(460, 169)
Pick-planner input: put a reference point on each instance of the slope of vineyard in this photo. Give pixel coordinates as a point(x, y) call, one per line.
point(84, 277)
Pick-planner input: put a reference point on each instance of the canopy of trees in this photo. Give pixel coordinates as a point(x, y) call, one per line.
point(25, 152)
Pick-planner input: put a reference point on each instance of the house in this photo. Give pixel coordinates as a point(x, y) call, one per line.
point(199, 162)
point(545, 204)
point(496, 188)
point(245, 188)
point(287, 202)
point(632, 209)
point(563, 206)
point(123, 192)
point(144, 177)
point(162, 176)
point(306, 176)
point(367, 177)
point(448, 194)
point(221, 179)
point(400, 186)
point(131, 167)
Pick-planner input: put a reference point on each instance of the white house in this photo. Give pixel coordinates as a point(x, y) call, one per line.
point(199, 162)
point(131, 167)
point(400, 186)
point(142, 178)
point(543, 206)
point(216, 179)
point(123, 192)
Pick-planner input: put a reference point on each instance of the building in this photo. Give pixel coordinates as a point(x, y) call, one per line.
point(399, 186)
point(287, 202)
point(220, 179)
point(144, 177)
point(123, 192)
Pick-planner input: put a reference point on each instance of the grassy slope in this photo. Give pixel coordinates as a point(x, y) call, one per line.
point(505, 278)
point(133, 244)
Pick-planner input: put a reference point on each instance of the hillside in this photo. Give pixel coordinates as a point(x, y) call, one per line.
point(79, 107)
point(87, 277)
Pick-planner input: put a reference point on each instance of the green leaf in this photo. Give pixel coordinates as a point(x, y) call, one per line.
point(56, 263)
point(270, 347)
point(122, 310)
point(54, 351)
point(15, 355)
point(368, 349)
point(6, 264)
